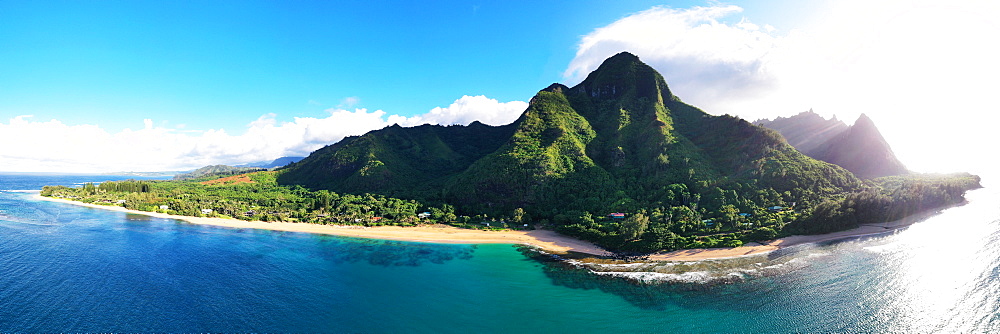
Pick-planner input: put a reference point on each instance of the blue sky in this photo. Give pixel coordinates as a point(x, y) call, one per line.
point(211, 64)
point(216, 64)
point(229, 82)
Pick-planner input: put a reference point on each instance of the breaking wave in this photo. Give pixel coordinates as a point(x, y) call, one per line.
point(710, 271)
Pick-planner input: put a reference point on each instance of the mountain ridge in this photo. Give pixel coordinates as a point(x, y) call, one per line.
point(860, 148)
point(805, 131)
point(279, 162)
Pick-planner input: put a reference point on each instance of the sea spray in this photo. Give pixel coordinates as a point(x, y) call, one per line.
point(701, 272)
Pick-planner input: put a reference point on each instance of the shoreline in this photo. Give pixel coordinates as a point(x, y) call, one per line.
point(549, 241)
point(794, 240)
point(546, 240)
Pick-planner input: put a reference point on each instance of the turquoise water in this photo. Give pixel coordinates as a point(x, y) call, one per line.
point(65, 268)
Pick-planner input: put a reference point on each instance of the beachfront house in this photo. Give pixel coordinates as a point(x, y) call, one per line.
point(164, 207)
point(423, 215)
point(121, 201)
point(206, 211)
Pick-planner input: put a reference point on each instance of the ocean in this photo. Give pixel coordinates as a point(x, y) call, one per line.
point(66, 268)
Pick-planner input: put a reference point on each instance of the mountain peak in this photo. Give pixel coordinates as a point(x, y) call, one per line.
point(864, 122)
point(623, 56)
point(621, 63)
point(625, 75)
point(556, 88)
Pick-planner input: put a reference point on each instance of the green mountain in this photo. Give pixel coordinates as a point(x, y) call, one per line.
point(859, 148)
point(412, 162)
point(618, 141)
point(215, 171)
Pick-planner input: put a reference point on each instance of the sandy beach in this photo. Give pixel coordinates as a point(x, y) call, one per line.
point(546, 240)
point(549, 241)
point(757, 248)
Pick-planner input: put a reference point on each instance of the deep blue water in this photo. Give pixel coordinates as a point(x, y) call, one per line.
point(66, 268)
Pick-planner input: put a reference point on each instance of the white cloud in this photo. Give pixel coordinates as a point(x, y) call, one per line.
point(471, 108)
point(923, 70)
point(349, 102)
point(53, 146)
point(704, 61)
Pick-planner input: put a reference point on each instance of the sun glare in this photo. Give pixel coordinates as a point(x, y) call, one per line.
point(940, 264)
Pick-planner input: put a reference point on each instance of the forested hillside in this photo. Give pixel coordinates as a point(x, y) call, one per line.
point(412, 162)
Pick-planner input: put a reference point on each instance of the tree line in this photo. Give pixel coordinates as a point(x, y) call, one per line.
point(681, 217)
